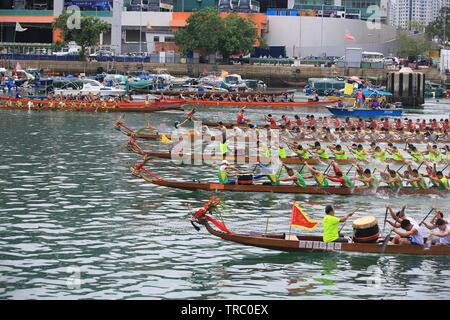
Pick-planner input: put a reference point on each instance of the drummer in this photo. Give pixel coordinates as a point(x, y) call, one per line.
point(331, 225)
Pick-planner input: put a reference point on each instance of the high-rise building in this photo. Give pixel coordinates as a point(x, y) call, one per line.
point(402, 12)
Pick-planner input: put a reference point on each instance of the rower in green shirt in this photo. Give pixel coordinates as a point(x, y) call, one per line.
point(320, 178)
point(391, 177)
point(331, 225)
point(295, 177)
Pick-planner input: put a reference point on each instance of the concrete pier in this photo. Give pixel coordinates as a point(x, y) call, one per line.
point(270, 74)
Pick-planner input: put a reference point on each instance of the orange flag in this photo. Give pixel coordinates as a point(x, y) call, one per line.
point(300, 219)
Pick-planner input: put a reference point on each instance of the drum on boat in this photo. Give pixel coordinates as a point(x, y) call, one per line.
point(245, 178)
point(365, 229)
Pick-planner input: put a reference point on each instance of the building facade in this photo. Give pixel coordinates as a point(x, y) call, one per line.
point(147, 26)
point(401, 12)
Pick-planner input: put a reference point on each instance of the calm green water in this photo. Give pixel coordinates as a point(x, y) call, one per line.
point(75, 224)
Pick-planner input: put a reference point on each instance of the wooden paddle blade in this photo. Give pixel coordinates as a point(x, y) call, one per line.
point(385, 242)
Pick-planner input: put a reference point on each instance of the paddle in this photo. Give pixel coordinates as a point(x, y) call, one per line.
point(388, 237)
point(432, 209)
point(385, 217)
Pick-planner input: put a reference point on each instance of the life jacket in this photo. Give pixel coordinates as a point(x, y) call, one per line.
point(223, 176)
point(398, 156)
point(419, 184)
point(340, 156)
point(348, 183)
point(223, 148)
point(282, 153)
point(433, 157)
point(416, 155)
point(380, 155)
point(300, 182)
point(321, 180)
point(324, 154)
point(360, 155)
point(443, 184)
point(303, 154)
point(397, 184)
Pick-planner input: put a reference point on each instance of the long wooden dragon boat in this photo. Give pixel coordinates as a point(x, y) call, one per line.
point(306, 244)
point(140, 171)
point(145, 134)
point(170, 104)
point(175, 93)
point(191, 158)
point(261, 104)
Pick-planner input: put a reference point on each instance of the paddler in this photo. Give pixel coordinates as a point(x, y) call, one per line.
point(339, 176)
point(379, 154)
point(396, 154)
point(295, 177)
point(415, 153)
point(414, 178)
point(320, 178)
point(301, 152)
point(361, 153)
point(281, 152)
point(338, 151)
point(331, 225)
point(272, 122)
point(320, 151)
point(434, 154)
point(391, 177)
point(240, 117)
point(366, 177)
point(413, 234)
point(223, 173)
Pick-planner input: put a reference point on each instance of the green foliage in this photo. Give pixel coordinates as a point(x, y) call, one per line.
point(206, 32)
point(414, 45)
point(238, 36)
point(201, 32)
point(86, 35)
point(440, 28)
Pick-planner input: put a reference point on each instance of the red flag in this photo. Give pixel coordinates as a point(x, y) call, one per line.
point(300, 219)
point(218, 224)
point(205, 70)
point(349, 37)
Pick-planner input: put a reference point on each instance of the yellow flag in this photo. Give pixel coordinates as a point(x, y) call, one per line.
point(164, 139)
point(348, 89)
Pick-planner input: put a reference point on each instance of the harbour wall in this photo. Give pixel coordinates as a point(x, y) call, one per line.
point(270, 74)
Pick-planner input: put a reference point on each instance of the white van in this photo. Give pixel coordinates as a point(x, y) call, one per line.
point(68, 50)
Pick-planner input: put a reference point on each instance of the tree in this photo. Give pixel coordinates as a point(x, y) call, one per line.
point(238, 36)
point(206, 32)
point(440, 28)
point(413, 46)
point(85, 32)
point(201, 33)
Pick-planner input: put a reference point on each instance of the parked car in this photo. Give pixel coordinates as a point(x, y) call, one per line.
point(68, 50)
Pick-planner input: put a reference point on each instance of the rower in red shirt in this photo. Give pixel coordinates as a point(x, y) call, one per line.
point(362, 123)
point(298, 121)
point(423, 125)
point(373, 124)
point(240, 117)
point(271, 120)
point(312, 121)
point(399, 124)
point(386, 123)
point(410, 125)
point(336, 122)
point(349, 122)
